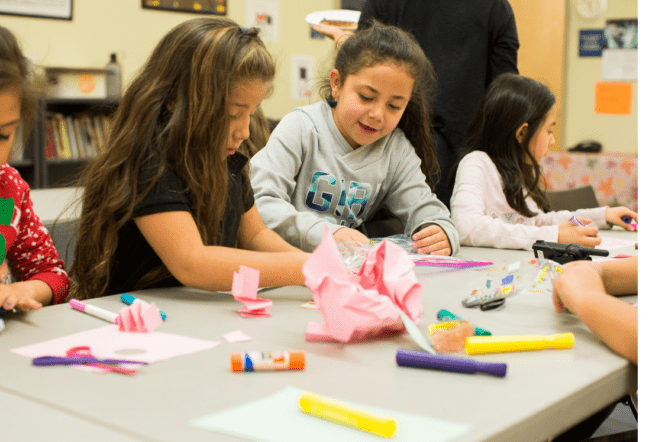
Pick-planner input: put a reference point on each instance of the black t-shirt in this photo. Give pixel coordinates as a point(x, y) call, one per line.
point(134, 257)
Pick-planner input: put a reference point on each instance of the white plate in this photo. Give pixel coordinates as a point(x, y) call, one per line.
point(339, 15)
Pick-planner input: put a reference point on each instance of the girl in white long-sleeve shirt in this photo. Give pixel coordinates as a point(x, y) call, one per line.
point(497, 197)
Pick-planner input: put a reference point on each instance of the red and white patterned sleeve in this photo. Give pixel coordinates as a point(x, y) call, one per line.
point(32, 254)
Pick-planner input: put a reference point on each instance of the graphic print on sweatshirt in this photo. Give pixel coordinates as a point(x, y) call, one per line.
point(337, 202)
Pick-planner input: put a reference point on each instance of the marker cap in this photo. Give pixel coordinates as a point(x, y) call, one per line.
point(296, 360)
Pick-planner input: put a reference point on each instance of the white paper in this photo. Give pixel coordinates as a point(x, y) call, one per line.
point(278, 418)
point(264, 14)
point(620, 64)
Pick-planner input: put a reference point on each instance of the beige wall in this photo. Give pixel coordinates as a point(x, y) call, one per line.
point(122, 26)
point(617, 133)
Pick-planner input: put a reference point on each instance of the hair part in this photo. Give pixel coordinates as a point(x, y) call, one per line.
point(383, 44)
point(173, 116)
point(511, 100)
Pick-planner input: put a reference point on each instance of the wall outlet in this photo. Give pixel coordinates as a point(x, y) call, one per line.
point(302, 76)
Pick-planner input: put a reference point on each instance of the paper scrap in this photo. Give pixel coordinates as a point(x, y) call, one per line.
point(236, 336)
point(278, 418)
point(139, 317)
point(309, 305)
point(109, 343)
point(364, 305)
point(609, 243)
point(613, 98)
point(245, 285)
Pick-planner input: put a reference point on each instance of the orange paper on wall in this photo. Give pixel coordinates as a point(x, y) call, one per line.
point(613, 98)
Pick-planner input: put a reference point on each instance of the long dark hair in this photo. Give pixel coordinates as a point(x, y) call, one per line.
point(380, 44)
point(174, 115)
point(510, 101)
point(15, 71)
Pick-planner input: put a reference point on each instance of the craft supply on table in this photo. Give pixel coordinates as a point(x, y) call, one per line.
point(130, 299)
point(245, 284)
point(95, 311)
point(386, 286)
point(419, 359)
point(268, 361)
point(501, 344)
point(445, 315)
point(82, 356)
point(340, 413)
point(448, 337)
point(139, 317)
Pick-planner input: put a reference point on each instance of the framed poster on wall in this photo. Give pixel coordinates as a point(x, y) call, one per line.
point(217, 7)
point(58, 9)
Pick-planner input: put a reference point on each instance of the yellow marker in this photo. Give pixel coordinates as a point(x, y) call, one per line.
point(500, 344)
point(326, 408)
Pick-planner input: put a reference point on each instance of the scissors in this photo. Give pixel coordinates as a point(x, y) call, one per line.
point(82, 356)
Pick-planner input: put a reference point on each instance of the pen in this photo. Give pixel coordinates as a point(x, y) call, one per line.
point(576, 222)
point(129, 299)
point(420, 359)
point(338, 413)
point(94, 311)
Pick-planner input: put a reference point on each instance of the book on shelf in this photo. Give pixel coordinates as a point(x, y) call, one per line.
point(18, 145)
point(83, 153)
point(69, 126)
point(50, 151)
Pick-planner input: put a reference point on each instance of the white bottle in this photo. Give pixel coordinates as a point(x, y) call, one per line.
point(113, 78)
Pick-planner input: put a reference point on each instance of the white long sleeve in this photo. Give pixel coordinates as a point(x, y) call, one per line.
point(483, 217)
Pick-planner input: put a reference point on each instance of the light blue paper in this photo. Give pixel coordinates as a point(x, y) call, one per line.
point(415, 333)
point(278, 418)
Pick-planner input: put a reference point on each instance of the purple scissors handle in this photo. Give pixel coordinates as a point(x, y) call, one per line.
point(46, 361)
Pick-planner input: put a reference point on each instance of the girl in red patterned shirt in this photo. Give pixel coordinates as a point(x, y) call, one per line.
point(28, 248)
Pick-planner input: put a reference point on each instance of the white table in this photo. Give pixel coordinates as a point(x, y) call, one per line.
point(543, 394)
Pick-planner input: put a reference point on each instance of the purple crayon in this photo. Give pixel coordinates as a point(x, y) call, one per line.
point(420, 359)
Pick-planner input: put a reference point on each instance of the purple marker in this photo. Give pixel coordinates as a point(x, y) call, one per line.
point(576, 222)
point(626, 219)
point(420, 359)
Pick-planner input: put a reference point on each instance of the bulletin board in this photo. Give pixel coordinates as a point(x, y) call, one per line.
point(57, 9)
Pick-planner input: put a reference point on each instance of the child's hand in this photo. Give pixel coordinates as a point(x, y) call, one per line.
point(347, 234)
point(586, 236)
point(614, 216)
point(431, 240)
point(13, 296)
point(579, 282)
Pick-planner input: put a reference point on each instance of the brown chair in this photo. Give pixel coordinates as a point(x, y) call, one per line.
point(573, 199)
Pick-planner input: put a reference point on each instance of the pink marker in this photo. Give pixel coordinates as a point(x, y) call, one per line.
point(94, 311)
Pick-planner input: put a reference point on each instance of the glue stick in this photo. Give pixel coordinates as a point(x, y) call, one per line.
point(268, 361)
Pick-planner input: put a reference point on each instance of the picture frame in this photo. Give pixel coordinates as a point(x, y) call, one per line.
point(213, 7)
point(59, 10)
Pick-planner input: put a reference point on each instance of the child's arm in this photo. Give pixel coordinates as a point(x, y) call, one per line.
point(176, 240)
point(580, 289)
point(33, 259)
point(426, 219)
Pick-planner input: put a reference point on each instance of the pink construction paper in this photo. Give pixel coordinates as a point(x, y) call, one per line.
point(139, 317)
point(236, 336)
point(245, 284)
point(364, 305)
point(109, 342)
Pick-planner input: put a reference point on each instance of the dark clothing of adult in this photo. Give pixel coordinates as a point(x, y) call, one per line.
point(469, 42)
point(134, 257)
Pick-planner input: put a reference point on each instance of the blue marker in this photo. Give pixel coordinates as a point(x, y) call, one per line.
point(130, 299)
point(626, 219)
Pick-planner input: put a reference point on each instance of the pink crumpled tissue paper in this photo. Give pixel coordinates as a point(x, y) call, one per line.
point(139, 317)
point(245, 284)
point(364, 305)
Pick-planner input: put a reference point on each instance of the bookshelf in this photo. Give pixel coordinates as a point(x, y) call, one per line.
point(67, 134)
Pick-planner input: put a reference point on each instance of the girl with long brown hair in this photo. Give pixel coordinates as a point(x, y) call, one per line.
point(168, 202)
